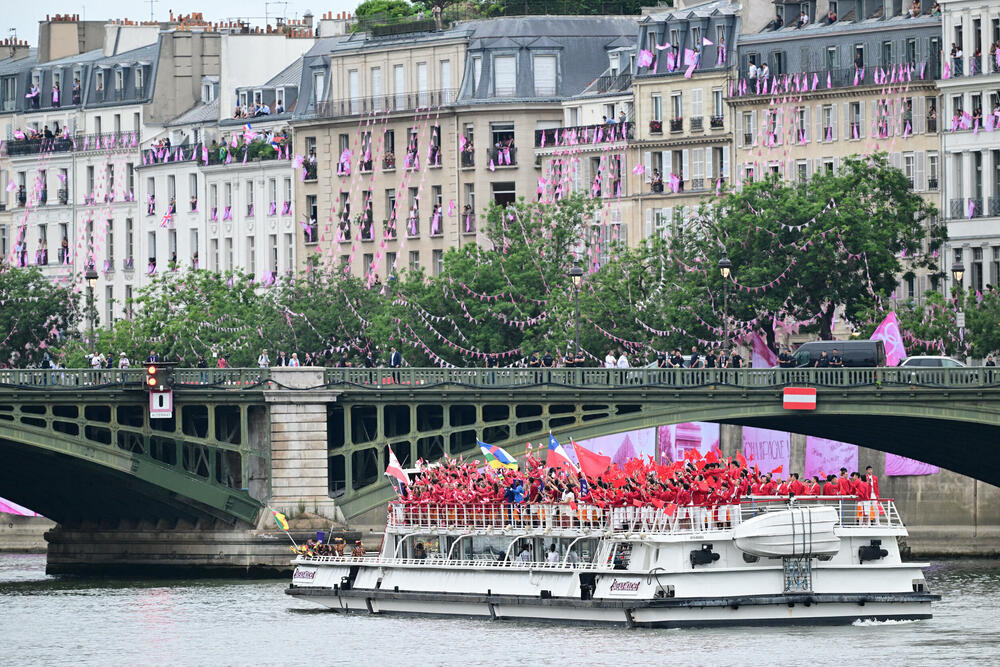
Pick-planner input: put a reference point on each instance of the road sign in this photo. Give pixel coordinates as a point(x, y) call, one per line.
point(960, 319)
point(161, 404)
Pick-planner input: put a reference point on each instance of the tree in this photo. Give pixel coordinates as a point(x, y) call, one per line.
point(804, 250)
point(385, 9)
point(35, 316)
point(185, 314)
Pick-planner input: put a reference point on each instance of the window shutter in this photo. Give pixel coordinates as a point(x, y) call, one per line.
point(819, 124)
point(919, 170)
point(808, 121)
point(834, 123)
point(504, 76)
point(685, 174)
point(668, 221)
point(649, 222)
point(545, 76)
point(697, 102)
point(919, 115)
point(836, 165)
point(739, 130)
point(698, 165)
point(647, 163)
point(709, 172)
point(725, 162)
point(668, 164)
point(896, 160)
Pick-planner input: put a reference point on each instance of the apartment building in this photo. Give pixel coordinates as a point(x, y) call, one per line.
point(970, 144)
point(864, 83)
point(413, 134)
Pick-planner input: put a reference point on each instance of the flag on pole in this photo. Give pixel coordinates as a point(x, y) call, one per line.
point(888, 332)
point(591, 463)
point(280, 518)
point(557, 456)
point(497, 457)
point(395, 470)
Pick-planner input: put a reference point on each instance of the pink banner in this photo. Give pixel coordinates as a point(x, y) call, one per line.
point(10, 507)
point(763, 357)
point(888, 333)
point(767, 449)
point(675, 440)
point(621, 446)
point(827, 457)
point(897, 466)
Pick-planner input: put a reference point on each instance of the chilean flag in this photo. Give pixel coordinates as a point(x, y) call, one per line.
point(395, 470)
point(799, 398)
point(558, 458)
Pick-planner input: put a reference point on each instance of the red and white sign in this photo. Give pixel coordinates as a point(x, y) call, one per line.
point(161, 404)
point(800, 398)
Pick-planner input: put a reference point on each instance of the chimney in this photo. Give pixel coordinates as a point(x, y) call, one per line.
point(307, 19)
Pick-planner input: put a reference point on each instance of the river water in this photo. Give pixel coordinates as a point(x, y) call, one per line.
point(47, 620)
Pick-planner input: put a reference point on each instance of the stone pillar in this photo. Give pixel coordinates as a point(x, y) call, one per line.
point(298, 478)
point(730, 439)
point(797, 455)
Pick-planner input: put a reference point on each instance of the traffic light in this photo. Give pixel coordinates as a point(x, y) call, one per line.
point(152, 377)
point(158, 377)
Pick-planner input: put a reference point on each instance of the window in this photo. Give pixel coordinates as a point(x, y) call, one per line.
point(855, 115)
point(828, 166)
point(109, 242)
point(477, 71)
point(748, 129)
point(911, 51)
point(376, 87)
point(243, 97)
point(138, 78)
point(213, 254)
point(545, 76)
point(886, 53)
point(129, 240)
point(390, 263)
point(676, 106)
point(504, 193)
point(802, 168)
point(109, 304)
point(228, 195)
point(288, 190)
point(399, 85)
point(444, 75)
point(657, 108)
point(422, 90)
point(831, 57)
point(697, 103)
point(229, 254)
point(504, 76)
point(279, 99)
point(249, 197)
point(99, 78)
point(319, 81)
point(251, 255)
point(414, 260)
point(717, 103)
point(437, 260)
point(908, 169)
point(354, 90)
point(829, 124)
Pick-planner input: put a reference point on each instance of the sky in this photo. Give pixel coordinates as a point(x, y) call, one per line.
point(25, 23)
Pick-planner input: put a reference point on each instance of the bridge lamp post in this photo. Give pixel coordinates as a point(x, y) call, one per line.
point(958, 272)
point(91, 278)
point(725, 268)
point(576, 274)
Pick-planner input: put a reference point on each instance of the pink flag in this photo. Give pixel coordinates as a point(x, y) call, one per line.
point(763, 357)
point(970, 209)
point(638, 170)
point(888, 333)
point(705, 41)
point(11, 187)
point(645, 58)
point(829, 83)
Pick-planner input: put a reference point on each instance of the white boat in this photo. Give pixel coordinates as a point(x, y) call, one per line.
point(821, 560)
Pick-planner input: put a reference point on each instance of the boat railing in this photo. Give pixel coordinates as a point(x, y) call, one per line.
point(666, 518)
point(432, 561)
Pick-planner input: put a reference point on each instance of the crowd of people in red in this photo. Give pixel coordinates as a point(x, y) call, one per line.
point(700, 481)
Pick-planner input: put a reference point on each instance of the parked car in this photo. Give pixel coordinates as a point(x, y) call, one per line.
point(853, 352)
point(931, 362)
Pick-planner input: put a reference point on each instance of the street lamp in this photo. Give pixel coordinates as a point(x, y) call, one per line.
point(91, 277)
point(725, 268)
point(576, 274)
point(957, 272)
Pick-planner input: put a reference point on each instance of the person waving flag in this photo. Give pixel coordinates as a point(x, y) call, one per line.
point(497, 457)
point(558, 458)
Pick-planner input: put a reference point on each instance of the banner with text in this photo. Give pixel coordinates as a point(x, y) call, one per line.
point(767, 449)
point(827, 457)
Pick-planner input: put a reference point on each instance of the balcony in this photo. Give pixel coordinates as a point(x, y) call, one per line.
point(312, 171)
point(468, 222)
point(43, 197)
point(716, 122)
point(976, 207)
point(747, 139)
point(932, 184)
point(385, 103)
point(413, 225)
point(468, 158)
point(839, 78)
point(310, 232)
point(605, 133)
point(932, 125)
point(62, 195)
point(656, 127)
point(389, 162)
point(367, 227)
point(611, 83)
point(955, 208)
point(994, 203)
point(109, 266)
point(389, 225)
point(676, 124)
point(365, 165)
point(697, 183)
point(503, 157)
point(696, 124)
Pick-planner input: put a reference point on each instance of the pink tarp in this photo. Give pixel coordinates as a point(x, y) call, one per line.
point(897, 466)
point(827, 457)
point(768, 449)
point(10, 507)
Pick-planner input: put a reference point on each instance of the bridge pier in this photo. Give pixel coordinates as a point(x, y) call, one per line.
point(299, 479)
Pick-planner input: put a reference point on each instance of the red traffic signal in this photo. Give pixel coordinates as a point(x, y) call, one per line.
point(152, 381)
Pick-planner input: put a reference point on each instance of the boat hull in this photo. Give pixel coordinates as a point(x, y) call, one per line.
point(793, 608)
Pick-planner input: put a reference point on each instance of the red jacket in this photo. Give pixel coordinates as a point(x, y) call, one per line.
point(830, 489)
point(796, 487)
point(844, 487)
point(861, 489)
point(873, 485)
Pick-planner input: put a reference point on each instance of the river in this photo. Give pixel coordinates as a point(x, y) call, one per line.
point(47, 620)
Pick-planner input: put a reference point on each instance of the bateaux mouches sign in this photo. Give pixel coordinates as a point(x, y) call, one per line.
point(623, 587)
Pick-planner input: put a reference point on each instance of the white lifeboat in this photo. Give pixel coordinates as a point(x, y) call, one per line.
point(799, 531)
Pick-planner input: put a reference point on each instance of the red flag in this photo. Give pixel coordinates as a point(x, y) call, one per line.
point(711, 457)
point(396, 470)
point(670, 509)
point(703, 486)
point(778, 469)
point(592, 464)
point(637, 503)
point(742, 461)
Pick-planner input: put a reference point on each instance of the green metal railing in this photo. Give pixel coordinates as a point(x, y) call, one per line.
point(427, 378)
point(132, 378)
point(684, 378)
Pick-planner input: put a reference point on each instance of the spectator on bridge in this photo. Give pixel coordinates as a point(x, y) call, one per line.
point(823, 361)
point(836, 361)
point(547, 360)
point(294, 361)
point(785, 359)
point(735, 360)
point(395, 358)
point(610, 361)
point(262, 360)
point(153, 357)
point(123, 361)
point(622, 359)
point(696, 361)
point(989, 361)
point(222, 362)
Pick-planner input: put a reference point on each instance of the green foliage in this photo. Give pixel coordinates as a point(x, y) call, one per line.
point(388, 9)
point(35, 315)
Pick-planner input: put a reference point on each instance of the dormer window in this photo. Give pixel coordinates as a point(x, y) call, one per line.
point(138, 78)
point(243, 99)
point(279, 98)
point(119, 79)
point(100, 81)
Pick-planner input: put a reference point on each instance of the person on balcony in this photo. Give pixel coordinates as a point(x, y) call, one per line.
point(76, 91)
point(656, 181)
point(55, 95)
